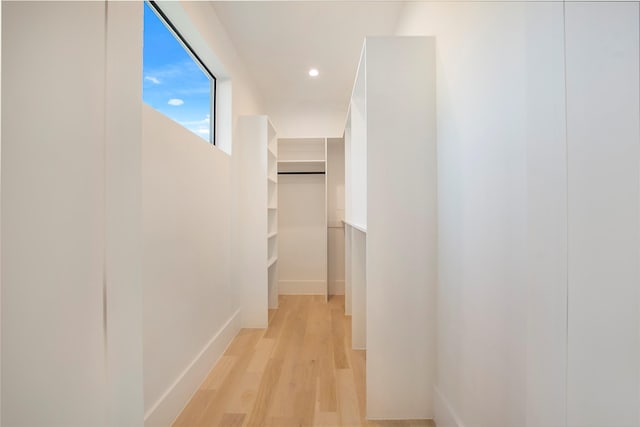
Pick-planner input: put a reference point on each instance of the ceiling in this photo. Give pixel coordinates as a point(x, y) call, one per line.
point(279, 41)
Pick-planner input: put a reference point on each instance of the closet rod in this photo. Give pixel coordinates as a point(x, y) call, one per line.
point(301, 173)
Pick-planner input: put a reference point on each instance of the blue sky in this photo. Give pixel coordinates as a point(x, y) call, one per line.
point(172, 81)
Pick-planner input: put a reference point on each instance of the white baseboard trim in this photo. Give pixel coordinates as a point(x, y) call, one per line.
point(336, 287)
point(444, 415)
point(302, 287)
point(174, 399)
point(399, 419)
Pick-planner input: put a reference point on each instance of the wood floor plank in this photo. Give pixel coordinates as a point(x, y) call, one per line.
point(279, 318)
point(244, 397)
point(289, 348)
point(358, 363)
point(327, 382)
point(232, 420)
point(244, 341)
point(263, 351)
point(348, 406)
point(305, 408)
point(232, 386)
point(259, 412)
point(339, 350)
point(280, 422)
point(326, 419)
point(218, 374)
point(326, 373)
point(191, 414)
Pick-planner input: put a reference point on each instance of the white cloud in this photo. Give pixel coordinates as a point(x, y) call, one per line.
point(199, 127)
point(176, 102)
point(152, 79)
point(204, 121)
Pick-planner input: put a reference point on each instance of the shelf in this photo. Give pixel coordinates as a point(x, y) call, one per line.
point(272, 234)
point(359, 227)
point(301, 165)
point(272, 261)
point(272, 208)
point(272, 180)
point(302, 161)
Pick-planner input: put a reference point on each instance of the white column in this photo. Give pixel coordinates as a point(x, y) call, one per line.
point(401, 220)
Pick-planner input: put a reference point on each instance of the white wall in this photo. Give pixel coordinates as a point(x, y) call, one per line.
point(538, 209)
point(186, 264)
point(482, 189)
point(71, 314)
point(335, 215)
point(190, 300)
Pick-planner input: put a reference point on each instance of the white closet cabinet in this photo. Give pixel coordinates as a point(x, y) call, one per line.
point(257, 219)
point(391, 213)
point(302, 204)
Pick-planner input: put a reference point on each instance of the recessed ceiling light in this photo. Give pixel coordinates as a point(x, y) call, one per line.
point(313, 72)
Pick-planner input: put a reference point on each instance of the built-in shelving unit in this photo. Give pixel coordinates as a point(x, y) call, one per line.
point(390, 221)
point(272, 210)
point(359, 227)
point(272, 261)
point(257, 235)
point(302, 214)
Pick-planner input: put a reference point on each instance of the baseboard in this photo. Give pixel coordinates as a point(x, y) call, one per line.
point(171, 403)
point(444, 415)
point(302, 287)
point(336, 287)
point(401, 421)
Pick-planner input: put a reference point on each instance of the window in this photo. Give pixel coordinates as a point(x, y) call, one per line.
point(175, 81)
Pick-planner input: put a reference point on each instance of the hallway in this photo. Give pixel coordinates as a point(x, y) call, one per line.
point(300, 371)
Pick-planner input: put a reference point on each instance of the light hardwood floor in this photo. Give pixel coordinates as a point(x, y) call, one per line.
point(300, 371)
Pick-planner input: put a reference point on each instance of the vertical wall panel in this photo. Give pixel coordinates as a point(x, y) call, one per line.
point(53, 349)
point(124, 212)
point(602, 51)
point(546, 273)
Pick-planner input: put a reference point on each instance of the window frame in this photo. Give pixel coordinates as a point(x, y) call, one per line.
point(172, 28)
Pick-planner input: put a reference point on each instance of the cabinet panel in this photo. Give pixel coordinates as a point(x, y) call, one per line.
point(603, 195)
